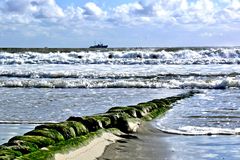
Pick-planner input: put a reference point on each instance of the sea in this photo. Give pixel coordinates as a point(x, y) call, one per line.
point(39, 87)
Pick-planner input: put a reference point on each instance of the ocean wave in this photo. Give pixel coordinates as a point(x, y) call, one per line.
point(186, 83)
point(127, 57)
point(11, 73)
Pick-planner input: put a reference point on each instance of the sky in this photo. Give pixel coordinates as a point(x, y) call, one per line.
point(122, 23)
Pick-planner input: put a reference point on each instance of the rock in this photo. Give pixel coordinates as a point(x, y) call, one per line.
point(108, 120)
point(40, 141)
point(22, 146)
point(133, 112)
point(128, 125)
point(149, 106)
point(67, 131)
point(161, 102)
point(8, 154)
point(90, 123)
point(49, 133)
point(78, 127)
point(105, 120)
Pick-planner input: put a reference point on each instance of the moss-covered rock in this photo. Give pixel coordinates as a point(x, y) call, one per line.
point(63, 128)
point(148, 106)
point(161, 102)
point(22, 146)
point(91, 123)
point(38, 155)
point(8, 154)
point(155, 113)
point(108, 120)
point(40, 141)
point(105, 120)
point(49, 133)
point(133, 112)
point(128, 125)
point(141, 111)
point(78, 127)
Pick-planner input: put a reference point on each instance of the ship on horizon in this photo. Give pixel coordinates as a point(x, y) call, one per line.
point(100, 45)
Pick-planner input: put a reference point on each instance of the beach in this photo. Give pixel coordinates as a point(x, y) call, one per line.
point(147, 144)
point(91, 151)
point(150, 143)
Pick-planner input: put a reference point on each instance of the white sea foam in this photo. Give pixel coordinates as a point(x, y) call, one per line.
point(129, 57)
point(194, 130)
point(119, 83)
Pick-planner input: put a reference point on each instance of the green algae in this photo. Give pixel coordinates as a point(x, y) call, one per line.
point(91, 124)
point(109, 120)
point(8, 154)
point(155, 113)
point(105, 120)
point(66, 130)
point(40, 141)
point(22, 146)
point(133, 112)
point(49, 133)
point(78, 127)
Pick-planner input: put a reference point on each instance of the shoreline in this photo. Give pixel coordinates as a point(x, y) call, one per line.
point(147, 143)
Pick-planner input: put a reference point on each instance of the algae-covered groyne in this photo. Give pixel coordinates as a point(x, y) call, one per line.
point(47, 140)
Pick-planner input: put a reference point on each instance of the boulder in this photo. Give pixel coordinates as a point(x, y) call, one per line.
point(91, 124)
point(21, 146)
point(8, 154)
point(49, 133)
point(63, 128)
point(78, 127)
point(40, 141)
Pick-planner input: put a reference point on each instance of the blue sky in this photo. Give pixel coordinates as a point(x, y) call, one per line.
point(122, 23)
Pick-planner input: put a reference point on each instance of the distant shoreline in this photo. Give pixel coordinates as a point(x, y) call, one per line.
point(63, 50)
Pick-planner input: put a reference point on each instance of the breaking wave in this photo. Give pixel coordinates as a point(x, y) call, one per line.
point(221, 83)
point(107, 75)
point(127, 57)
point(194, 130)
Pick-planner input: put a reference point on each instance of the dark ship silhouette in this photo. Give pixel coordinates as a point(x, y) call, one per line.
point(100, 45)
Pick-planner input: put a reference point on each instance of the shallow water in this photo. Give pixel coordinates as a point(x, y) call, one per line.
point(211, 112)
point(203, 147)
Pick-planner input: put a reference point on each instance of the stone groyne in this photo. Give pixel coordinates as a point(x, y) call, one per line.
point(47, 140)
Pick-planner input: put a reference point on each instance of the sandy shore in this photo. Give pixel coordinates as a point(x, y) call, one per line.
point(147, 144)
point(93, 150)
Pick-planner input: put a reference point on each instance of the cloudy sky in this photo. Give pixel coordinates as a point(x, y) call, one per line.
point(119, 23)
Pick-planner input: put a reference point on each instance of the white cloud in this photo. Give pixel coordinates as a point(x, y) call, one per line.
point(93, 11)
point(46, 9)
point(198, 13)
point(32, 8)
point(211, 34)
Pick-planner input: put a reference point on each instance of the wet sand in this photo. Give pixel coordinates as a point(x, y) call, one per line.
point(147, 144)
